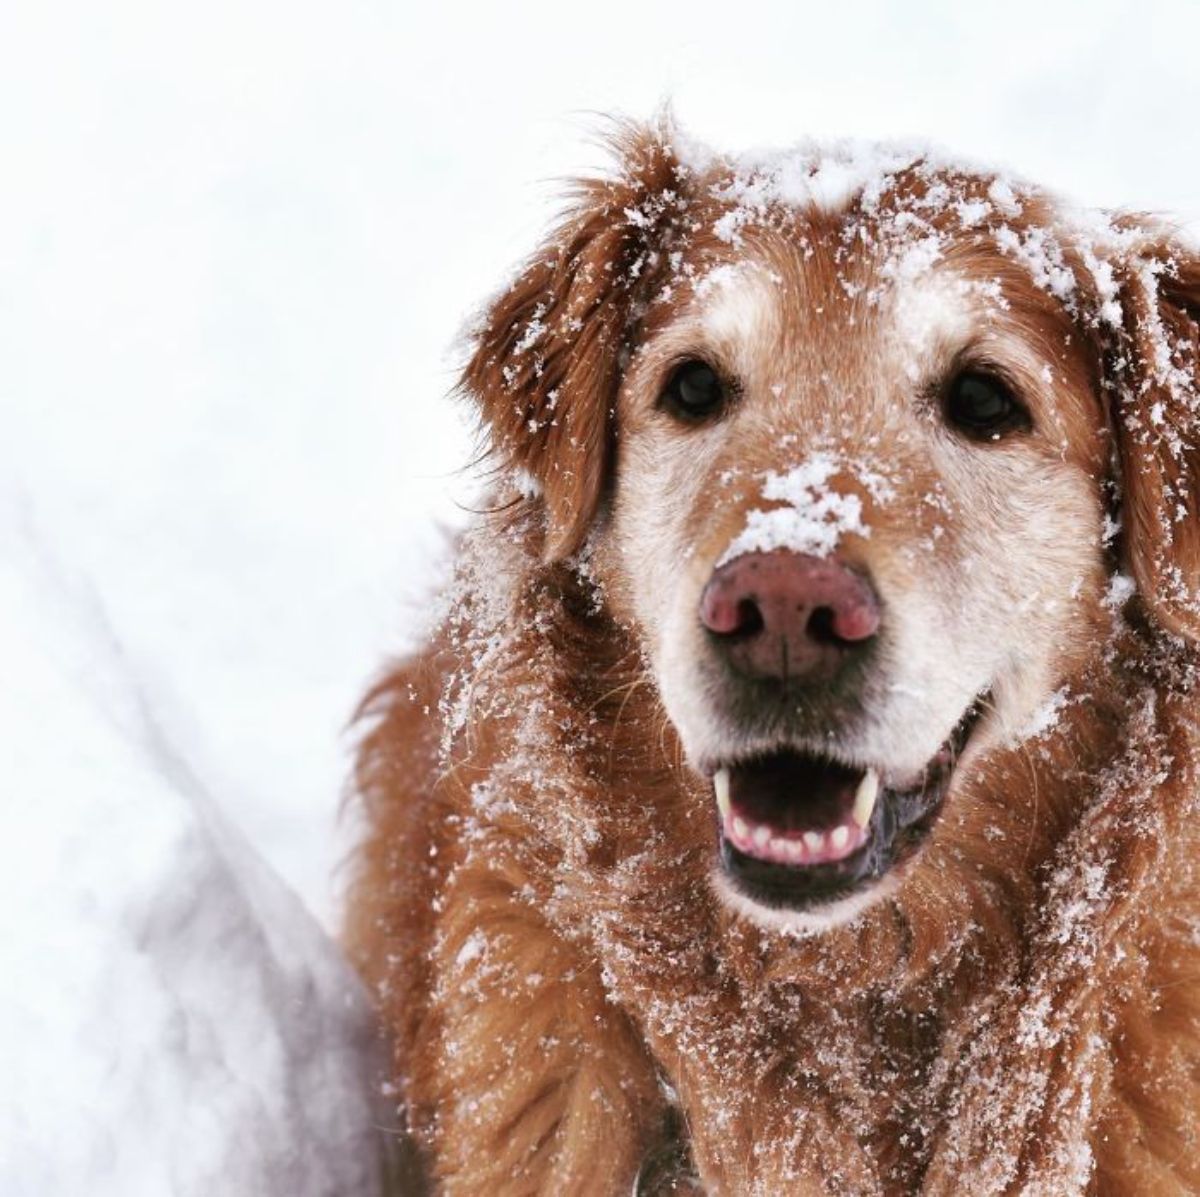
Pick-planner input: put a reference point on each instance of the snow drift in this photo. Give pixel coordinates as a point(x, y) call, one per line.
point(172, 1020)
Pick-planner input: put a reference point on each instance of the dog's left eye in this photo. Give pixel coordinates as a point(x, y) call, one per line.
point(694, 392)
point(983, 408)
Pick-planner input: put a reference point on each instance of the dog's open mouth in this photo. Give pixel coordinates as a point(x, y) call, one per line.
point(800, 831)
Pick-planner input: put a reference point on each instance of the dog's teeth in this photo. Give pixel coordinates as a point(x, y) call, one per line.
point(762, 836)
point(721, 786)
point(794, 849)
point(740, 828)
point(839, 837)
point(864, 799)
point(815, 841)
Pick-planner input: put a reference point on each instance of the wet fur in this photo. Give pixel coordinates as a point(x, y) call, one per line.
point(571, 1003)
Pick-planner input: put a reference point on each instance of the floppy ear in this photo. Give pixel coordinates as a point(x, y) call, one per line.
point(1157, 391)
point(547, 358)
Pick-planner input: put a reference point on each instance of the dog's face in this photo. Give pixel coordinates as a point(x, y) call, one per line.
point(857, 479)
point(839, 525)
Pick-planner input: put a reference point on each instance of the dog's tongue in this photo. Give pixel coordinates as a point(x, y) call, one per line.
point(795, 809)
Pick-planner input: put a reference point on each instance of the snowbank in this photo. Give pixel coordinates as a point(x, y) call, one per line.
point(172, 1020)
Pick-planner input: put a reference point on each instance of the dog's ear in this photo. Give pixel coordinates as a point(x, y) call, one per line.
point(1155, 379)
point(548, 353)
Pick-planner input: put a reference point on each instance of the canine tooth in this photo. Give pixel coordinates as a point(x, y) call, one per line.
point(761, 836)
point(864, 798)
point(721, 786)
point(839, 837)
point(740, 829)
point(815, 841)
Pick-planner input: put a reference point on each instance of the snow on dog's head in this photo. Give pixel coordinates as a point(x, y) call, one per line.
point(839, 430)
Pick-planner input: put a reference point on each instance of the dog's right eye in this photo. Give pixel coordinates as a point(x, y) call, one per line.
point(695, 392)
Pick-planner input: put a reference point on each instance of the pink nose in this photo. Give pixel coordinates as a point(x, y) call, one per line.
point(788, 616)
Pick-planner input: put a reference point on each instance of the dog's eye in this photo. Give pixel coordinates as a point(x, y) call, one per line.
point(983, 408)
point(694, 392)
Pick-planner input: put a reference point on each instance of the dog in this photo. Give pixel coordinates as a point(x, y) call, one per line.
point(798, 794)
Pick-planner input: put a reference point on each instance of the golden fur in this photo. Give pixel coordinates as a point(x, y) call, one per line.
point(573, 1003)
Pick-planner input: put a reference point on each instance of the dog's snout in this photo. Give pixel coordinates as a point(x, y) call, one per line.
point(787, 615)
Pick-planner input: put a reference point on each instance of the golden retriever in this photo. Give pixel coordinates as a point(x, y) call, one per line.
point(799, 792)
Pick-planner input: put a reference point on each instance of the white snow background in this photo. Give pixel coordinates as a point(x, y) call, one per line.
point(237, 241)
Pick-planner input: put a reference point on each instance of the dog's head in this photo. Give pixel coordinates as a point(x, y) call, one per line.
point(856, 441)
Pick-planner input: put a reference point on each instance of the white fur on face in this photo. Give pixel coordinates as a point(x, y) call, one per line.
point(801, 923)
point(739, 304)
point(978, 583)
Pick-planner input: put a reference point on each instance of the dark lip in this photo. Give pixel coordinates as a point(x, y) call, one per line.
point(900, 824)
